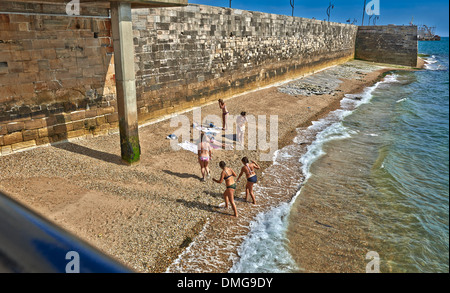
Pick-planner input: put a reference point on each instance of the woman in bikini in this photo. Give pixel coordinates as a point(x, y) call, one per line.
point(249, 170)
point(204, 156)
point(225, 114)
point(228, 195)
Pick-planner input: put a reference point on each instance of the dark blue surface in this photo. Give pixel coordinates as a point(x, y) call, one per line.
point(30, 243)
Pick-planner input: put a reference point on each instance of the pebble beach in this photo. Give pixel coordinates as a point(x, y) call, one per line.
point(148, 215)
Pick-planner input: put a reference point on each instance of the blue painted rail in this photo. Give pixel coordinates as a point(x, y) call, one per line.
point(31, 244)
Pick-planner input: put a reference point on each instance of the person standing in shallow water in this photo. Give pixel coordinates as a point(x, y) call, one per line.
point(204, 155)
point(225, 114)
point(228, 195)
point(249, 170)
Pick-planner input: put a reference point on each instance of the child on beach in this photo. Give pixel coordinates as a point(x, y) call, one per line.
point(240, 123)
point(228, 195)
point(225, 113)
point(204, 155)
point(249, 170)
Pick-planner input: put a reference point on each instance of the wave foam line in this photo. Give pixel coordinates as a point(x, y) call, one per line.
point(265, 248)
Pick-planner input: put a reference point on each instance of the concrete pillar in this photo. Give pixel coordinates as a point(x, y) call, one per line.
point(122, 34)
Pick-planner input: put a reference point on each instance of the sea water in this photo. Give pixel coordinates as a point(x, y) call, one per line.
point(378, 168)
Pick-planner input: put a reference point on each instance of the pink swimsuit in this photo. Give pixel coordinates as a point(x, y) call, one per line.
point(203, 158)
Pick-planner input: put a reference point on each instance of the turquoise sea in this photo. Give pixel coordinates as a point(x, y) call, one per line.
point(382, 164)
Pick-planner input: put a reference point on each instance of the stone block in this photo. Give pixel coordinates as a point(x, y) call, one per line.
point(100, 120)
point(13, 138)
point(79, 115)
point(77, 125)
point(114, 117)
point(46, 132)
point(76, 133)
point(23, 145)
point(91, 113)
point(15, 126)
point(50, 121)
point(3, 129)
point(42, 141)
point(34, 124)
point(30, 134)
point(62, 128)
point(106, 110)
point(6, 150)
point(90, 124)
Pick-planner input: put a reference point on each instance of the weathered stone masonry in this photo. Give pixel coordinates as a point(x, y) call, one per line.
point(57, 73)
point(387, 44)
point(188, 56)
point(57, 79)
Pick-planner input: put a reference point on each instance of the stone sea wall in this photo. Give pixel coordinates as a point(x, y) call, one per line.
point(57, 73)
point(388, 44)
point(188, 56)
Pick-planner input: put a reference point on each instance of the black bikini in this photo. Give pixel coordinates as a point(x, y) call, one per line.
point(227, 176)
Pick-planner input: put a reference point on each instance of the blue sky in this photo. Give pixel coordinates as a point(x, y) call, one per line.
point(429, 12)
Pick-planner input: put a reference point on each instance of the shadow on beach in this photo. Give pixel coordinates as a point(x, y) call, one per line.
point(213, 194)
point(81, 150)
point(202, 206)
point(182, 175)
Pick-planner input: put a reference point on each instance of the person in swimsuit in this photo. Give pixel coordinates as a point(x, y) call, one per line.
point(225, 114)
point(204, 156)
point(214, 143)
point(228, 195)
point(249, 170)
point(240, 123)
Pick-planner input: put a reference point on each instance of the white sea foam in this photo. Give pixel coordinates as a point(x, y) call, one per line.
point(432, 63)
point(391, 78)
point(315, 150)
point(265, 247)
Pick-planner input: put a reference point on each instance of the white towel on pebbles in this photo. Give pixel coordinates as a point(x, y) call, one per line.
point(207, 129)
point(189, 146)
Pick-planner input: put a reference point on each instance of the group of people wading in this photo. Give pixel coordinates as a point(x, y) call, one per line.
point(228, 174)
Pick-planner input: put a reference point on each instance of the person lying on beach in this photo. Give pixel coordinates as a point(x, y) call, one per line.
point(204, 155)
point(214, 143)
point(228, 195)
point(240, 123)
point(225, 114)
point(210, 133)
point(249, 170)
